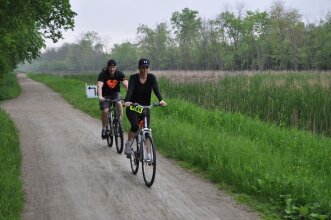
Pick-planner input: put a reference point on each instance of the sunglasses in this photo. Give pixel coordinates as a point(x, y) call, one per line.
point(144, 67)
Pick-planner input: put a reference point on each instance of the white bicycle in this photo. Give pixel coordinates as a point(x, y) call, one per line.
point(142, 146)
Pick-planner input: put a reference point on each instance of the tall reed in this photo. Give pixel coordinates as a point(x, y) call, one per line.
point(301, 100)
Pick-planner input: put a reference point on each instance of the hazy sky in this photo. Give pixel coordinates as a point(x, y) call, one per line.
point(117, 21)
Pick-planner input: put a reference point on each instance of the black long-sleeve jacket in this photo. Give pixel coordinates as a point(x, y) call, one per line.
point(141, 93)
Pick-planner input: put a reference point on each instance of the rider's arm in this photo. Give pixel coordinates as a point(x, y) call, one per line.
point(99, 90)
point(125, 84)
point(156, 88)
point(130, 89)
point(157, 91)
point(124, 80)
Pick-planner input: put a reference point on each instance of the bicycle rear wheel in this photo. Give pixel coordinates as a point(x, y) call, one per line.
point(118, 133)
point(149, 161)
point(134, 159)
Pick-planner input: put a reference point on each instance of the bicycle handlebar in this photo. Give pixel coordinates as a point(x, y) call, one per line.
point(147, 106)
point(113, 100)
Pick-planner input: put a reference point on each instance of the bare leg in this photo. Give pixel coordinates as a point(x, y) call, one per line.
point(104, 117)
point(120, 109)
point(127, 151)
point(131, 135)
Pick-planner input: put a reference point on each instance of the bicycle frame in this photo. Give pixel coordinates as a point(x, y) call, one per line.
point(114, 125)
point(143, 127)
point(113, 114)
point(143, 131)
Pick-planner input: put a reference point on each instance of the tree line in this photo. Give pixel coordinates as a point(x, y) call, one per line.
point(277, 39)
point(25, 24)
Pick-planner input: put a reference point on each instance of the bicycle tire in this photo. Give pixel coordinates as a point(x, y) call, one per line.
point(110, 134)
point(118, 135)
point(110, 139)
point(149, 166)
point(134, 159)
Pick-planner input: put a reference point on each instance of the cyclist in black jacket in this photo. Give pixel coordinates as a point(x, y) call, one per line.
point(140, 91)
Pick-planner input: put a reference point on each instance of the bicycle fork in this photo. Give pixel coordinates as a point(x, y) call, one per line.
point(143, 148)
point(110, 122)
point(112, 119)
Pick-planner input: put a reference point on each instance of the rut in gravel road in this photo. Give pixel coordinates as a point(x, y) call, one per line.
point(70, 173)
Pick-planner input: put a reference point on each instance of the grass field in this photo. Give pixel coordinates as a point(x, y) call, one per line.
point(286, 169)
point(11, 190)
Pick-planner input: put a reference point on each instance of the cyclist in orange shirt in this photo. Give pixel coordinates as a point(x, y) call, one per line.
point(108, 85)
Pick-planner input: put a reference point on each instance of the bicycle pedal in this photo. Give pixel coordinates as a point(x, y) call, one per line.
point(149, 163)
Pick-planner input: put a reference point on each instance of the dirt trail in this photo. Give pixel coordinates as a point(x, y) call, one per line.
point(70, 173)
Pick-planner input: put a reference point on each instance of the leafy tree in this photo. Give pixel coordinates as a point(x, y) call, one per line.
point(252, 40)
point(254, 47)
point(186, 26)
point(126, 55)
point(231, 26)
point(91, 52)
point(210, 47)
point(317, 50)
point(154, 44)
point(286, 36)
point(25, 24)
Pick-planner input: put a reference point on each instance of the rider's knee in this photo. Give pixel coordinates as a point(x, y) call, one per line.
point(134, 128)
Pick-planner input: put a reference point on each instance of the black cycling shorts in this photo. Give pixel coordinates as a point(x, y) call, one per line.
point(134, 118)
point(104, 104)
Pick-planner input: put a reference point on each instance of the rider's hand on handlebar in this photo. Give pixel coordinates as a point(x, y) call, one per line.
point(127, 104)
point(163, 103)
point(101, 98)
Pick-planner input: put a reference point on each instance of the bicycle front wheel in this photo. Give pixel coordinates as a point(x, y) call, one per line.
point(110, 134)
point(110, 140)
point(149, 161)
point(134, 159)
point(118, 131)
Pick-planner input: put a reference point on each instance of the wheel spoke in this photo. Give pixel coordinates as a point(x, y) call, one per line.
point(149, 161)
point(134, 161)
